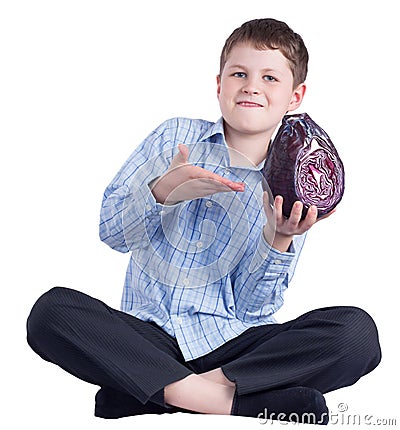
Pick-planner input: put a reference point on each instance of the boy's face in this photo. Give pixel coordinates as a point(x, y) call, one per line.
point(255, 90)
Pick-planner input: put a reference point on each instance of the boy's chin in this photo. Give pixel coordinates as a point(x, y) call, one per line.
point(254, 130)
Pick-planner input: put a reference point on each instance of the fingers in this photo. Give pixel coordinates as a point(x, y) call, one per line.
point(278, 203)
point(275, 205)
point(294, 225)
point(189, 172)
point(184, 152)
point(268, 207)
point(235, 186)
point(181, 157)
point(215, 180)
point(310, 218)
point(294, 222)
point(295, 214)
point(210, 185)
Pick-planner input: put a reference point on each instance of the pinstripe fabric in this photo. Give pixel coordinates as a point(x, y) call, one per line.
point(200, 269)
point(99, 345)
point(325, 349)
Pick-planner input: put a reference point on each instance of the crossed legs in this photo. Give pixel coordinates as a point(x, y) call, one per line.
point(324, 350)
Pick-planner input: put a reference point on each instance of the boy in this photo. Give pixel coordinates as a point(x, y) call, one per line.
point(211, 258)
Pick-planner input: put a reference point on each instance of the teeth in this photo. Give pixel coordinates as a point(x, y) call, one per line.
point(249, 104)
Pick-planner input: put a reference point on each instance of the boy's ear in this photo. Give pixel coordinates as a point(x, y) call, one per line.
point(218, 85)
point(297, 97)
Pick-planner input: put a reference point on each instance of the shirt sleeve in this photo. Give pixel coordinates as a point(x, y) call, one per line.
point(262, 278)
point(129, 212)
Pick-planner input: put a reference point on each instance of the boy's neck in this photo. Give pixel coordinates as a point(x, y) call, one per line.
point(247, 150)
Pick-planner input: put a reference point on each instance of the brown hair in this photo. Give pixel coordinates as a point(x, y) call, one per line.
point(269, 33)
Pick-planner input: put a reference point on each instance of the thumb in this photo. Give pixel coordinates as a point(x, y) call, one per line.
point(181, 157)
point(269, 203)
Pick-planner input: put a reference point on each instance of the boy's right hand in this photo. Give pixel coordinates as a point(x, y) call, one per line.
point(184, 181)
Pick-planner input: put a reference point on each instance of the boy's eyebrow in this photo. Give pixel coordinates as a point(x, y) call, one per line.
point(237, 66)
point(241, 66)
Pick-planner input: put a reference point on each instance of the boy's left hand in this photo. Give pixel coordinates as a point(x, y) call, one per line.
point(279, 233)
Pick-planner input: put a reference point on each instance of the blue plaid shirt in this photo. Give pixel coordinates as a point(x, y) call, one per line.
point(200, 269)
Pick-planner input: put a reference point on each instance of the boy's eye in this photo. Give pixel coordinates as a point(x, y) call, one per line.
point(239, 74)
point(269, 78)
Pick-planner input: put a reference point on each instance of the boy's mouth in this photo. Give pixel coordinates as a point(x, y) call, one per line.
point(249, 104)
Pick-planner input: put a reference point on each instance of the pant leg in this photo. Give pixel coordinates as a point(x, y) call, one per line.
point(324, 349)
point(104, 346)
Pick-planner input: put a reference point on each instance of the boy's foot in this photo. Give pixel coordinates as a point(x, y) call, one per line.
point(114, 404)
point(297, 404)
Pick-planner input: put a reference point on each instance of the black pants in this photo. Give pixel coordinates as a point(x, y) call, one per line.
point(325, 349)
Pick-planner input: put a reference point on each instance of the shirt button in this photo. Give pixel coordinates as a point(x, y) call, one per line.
point(264, 256)
point(148, 207)
point(209, 203)
point(186, 282)
point(199, 245)
point(277, 261)
point(179, 320)
point(227, 171)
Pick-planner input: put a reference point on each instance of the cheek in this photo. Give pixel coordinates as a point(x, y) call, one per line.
point(280, 100)
point(223, 97)
point(227, 88)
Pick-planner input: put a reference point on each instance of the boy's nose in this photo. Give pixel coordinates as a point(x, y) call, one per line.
point(250, 89)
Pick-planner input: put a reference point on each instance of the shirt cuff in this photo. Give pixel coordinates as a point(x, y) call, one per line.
point(267, 257)
point(149, 204)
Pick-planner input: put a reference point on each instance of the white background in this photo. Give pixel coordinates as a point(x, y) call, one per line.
point(84, 82)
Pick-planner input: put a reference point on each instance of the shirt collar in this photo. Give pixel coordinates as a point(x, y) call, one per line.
point(216, 128)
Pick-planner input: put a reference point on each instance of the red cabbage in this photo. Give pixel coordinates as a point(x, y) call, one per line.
point(302, 164)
